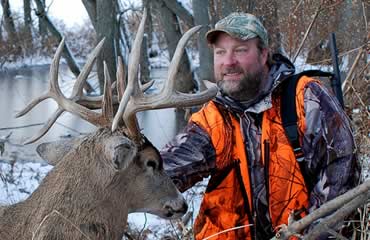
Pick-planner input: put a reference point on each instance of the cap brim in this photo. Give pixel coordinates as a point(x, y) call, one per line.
point(211, 35)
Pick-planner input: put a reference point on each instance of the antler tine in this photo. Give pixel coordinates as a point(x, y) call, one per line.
point(175, 62)
point(53, 83)
point(82, 77)
point(107, 108)
point(168, 96)
point(133, 65)
point(46, 127)
point(32, 104)
point(67, 104)
point(121, 78)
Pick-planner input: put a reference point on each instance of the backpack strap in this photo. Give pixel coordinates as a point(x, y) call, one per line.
point(289, 114)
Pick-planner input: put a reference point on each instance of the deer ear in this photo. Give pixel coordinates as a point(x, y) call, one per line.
point(120, 151)
point(53, 152)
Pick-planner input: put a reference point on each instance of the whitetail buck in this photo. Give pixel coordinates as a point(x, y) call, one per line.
point(97, 180)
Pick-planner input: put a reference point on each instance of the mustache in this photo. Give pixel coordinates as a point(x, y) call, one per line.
point(230, 70)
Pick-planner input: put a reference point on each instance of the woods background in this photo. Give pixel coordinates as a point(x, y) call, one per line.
point(298, 29)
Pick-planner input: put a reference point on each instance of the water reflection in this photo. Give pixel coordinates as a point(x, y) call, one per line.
point(19, 87)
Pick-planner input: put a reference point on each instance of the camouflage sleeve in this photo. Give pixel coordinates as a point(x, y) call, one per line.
point(328, 146)
point(189, 157)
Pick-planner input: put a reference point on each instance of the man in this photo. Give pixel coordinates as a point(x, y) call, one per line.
point(256, 181)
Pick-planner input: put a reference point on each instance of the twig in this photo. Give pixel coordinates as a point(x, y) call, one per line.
point(144, 226)
point(296, 8)
point(38, 124)
point(360, 99)
point(364, 14)
point(24, 126)
point(339, 55)
point(174, 229)
point(307, 32)
point(227, 230)
point(72, 129)
point(349, 75)
point(64, 218)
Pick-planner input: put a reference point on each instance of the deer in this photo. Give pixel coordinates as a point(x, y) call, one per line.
point(98, 179)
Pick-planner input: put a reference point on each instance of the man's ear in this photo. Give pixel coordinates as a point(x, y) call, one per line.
point(120, 151)
point(264, 55)
point(53, 152)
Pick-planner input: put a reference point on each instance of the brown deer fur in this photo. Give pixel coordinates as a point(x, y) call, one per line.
point(91, 190)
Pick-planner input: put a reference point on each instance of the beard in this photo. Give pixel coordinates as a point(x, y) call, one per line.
point(244, 89)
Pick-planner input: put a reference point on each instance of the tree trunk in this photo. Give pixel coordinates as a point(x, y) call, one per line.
point(180, 11)
point(149, 24)
point(200, 9)
point(106, 26)
point(269, 11)
point(169, 22)
point(144, 62)
point(102, 15)
point(90, 6)
point(146, 45)
point(221, 8)
point(42, 26)
point(27, 23)
point(9, 22)
point(1, 32)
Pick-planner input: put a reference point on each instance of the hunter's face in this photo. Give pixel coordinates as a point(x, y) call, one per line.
point(238, 66)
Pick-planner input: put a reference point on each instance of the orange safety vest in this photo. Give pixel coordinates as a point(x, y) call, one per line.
point(224, 204)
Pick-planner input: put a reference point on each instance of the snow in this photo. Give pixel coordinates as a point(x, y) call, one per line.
point(20, 179)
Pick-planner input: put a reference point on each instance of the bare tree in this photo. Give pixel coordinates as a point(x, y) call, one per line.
point(149, 26)
point(27, 23)
point(201, 9)
point(180, 11)
point(42, 25)
point(1, 30)
point(172, 33)
point(103, 18)
point(9, 22)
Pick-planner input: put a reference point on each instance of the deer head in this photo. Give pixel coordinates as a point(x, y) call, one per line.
point(115, 170)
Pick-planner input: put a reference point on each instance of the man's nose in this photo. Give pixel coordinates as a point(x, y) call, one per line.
point(230, 59)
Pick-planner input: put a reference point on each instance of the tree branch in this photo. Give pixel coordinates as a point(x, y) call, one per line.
point(338, 216)
point(75, 69)
point(333, 205)
point(180, 11)
point(90, 6)
point(307, 32)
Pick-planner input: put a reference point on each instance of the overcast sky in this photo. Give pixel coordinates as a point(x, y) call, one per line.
point(70, 11)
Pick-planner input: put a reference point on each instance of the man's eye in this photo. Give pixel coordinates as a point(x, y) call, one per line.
point(241, 50)
point(219, 52)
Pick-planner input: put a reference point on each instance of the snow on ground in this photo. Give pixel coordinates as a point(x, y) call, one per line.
point(19, 179)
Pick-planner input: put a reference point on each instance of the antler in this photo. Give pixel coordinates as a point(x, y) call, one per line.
point(134, 100)
point(73, 103)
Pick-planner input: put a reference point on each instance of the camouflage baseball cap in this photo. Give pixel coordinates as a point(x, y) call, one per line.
point(243, 26)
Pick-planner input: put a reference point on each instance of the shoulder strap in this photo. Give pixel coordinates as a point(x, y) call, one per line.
point(289, 113)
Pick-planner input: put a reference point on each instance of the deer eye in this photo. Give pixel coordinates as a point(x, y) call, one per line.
point(151, 164)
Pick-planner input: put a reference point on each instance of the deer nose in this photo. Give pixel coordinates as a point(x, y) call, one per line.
point(175, 209)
